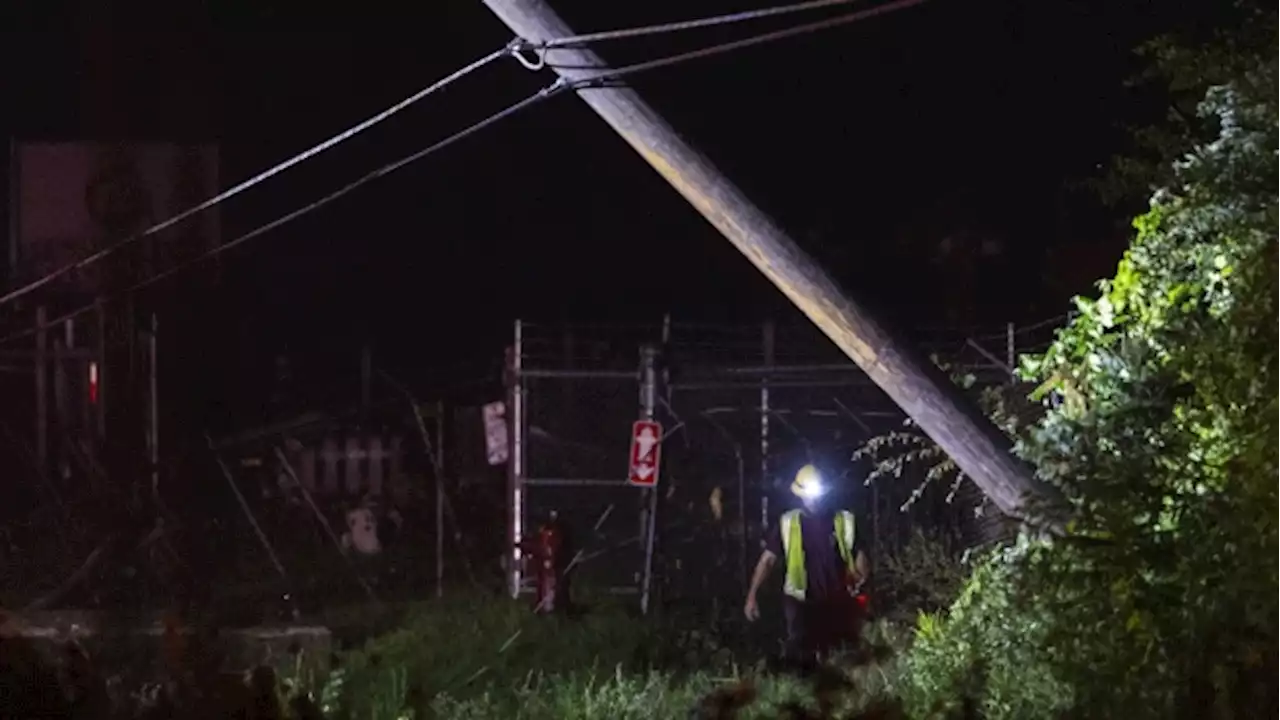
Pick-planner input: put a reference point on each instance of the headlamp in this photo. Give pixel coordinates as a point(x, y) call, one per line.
point(809, 484)
point(811, 491)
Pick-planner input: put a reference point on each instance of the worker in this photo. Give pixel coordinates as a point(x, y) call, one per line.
point(825, 570)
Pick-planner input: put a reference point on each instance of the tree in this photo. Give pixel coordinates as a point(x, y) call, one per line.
point(1181, 69)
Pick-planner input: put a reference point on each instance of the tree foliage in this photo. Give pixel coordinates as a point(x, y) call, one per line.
point(892, 453)
point(1161, 601)
point(1180, 69)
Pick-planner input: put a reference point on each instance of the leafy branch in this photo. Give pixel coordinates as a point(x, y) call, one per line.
point(893, 453)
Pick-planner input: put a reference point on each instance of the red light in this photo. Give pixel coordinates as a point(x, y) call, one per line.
point(93, 383)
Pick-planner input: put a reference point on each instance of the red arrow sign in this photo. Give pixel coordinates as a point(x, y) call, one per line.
point(646, 453)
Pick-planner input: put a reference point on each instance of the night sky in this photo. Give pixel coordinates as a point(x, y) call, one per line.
point(871, 143)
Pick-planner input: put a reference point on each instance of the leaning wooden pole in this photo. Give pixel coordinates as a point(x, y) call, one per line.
point(919, 388)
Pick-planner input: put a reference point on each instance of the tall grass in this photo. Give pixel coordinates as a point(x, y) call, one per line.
point(474, 657)
point(465, 658)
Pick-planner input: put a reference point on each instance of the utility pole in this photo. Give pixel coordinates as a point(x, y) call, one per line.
point(919, 388)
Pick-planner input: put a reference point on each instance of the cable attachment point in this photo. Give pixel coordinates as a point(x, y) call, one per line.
point(519, 46)
point(560, 85)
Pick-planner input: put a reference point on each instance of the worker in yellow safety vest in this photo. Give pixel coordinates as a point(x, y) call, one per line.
point(825, 567)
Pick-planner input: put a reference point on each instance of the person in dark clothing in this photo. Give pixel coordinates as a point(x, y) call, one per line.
point(824, 568)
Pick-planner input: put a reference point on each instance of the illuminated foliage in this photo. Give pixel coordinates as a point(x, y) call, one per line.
point(1161, 600)
point(891, 454)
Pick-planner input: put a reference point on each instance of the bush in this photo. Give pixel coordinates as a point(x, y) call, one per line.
point(924, 576)
point(986, 651)
point(1161, 600)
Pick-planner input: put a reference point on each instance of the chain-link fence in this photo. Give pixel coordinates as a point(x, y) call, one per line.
point(742, 409)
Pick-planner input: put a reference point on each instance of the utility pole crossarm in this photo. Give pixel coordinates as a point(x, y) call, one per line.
point(920, 389)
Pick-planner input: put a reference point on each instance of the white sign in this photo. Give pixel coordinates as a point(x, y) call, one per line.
point(495, 432)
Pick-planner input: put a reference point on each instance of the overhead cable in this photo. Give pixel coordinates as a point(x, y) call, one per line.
point(316, 204)
point(509, 49)
point(682, 25)
point(234, 190)
point(606, 76)
point(553, 89)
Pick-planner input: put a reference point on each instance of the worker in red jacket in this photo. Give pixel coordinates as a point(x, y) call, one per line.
point(549, 554)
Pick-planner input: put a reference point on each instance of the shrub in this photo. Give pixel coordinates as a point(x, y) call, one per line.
point(1161, 600)
point(924, 576)
point(986, 651)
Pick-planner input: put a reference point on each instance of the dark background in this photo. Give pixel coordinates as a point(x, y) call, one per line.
point(874, 143)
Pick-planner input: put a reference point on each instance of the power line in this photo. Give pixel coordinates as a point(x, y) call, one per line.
point(783, 34)
point(509, 49)
point(682, 25)
point(259, 178)
point(543, 94)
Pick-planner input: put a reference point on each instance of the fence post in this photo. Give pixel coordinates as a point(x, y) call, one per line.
point(1011, 353)
point(569, 421)
point(42, 390)
point(366, 381)
point(648, 406)
point(515, 457)
point(99, 370)
point(439, 473)
point(153, 408)
point(767, 342)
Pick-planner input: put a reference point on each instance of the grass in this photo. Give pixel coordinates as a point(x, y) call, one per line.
point(469, 657)
point(473, 657)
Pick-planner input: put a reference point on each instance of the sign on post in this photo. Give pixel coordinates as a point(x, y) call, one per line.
point(495, 432)
point(646, 453)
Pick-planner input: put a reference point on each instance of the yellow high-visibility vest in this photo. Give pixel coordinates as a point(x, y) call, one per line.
point(793, 549)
